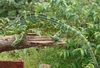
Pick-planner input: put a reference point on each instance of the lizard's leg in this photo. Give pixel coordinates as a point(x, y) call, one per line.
point(15, 41)
point(56, 36)
point(19, 37)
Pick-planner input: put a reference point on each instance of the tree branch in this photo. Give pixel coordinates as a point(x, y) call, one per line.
point(29, 40)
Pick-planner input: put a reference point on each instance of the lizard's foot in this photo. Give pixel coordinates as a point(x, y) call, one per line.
point(55, 39)
point(18, 38)
point(56, 36)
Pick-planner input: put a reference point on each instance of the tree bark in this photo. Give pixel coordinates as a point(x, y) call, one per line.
point(29, 40)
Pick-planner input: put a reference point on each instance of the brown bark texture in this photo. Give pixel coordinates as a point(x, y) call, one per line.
point(29, 40)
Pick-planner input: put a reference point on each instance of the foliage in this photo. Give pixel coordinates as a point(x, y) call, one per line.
point(81, 15)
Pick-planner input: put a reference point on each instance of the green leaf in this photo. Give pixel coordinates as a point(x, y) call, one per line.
point(78, 49)
point(64, 54)
point(98, 46)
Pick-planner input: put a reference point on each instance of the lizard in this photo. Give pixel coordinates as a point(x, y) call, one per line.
point(29, 21)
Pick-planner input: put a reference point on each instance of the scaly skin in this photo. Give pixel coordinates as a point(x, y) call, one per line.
point(42, 21)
